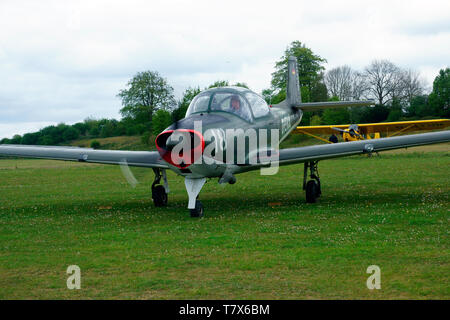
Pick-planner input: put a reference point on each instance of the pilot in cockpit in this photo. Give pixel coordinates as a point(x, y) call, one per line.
point(235, 105)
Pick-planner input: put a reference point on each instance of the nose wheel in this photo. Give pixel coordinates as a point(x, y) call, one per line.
point(197, 212)
point(311, 187)
point(193, 187)
point(159, 192)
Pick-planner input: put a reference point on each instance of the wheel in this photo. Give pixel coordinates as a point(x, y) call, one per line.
point(319, 189)
point(312, 190)
point(159, 196)
point(198, 211)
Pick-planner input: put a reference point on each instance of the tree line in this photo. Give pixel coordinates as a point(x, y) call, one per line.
point(149, 105)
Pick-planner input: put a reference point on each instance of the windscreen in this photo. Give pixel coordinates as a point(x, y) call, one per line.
point(199, 104)
point(221, 102)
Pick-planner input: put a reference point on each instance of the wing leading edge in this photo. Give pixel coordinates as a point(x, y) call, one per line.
point(148, 159)
point(389, 127)
point(328, 151)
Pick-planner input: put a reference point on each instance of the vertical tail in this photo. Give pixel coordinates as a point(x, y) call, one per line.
point(293, 96)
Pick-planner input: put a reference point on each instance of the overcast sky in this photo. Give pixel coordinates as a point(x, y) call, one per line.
point(64, 61)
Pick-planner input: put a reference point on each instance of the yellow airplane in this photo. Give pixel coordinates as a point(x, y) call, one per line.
point(355, 132)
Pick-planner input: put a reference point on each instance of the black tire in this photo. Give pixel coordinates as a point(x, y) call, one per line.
point(319, 189)
point(159, 196)
point(198, 211)
point(312, 190)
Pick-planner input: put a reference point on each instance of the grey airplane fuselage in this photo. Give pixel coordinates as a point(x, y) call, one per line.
point(216, 124)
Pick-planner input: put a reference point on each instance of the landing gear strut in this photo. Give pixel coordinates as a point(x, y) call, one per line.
point(159, 192)
point(312, 187)
point(193, 187)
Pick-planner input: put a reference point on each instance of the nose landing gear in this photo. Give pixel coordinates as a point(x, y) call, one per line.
point(197, 212)
point(312, 187)
point(193, 187)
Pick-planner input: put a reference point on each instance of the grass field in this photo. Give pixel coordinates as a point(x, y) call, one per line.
point(258, 240)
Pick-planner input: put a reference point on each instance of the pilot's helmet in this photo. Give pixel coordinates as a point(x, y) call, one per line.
point(235, 102)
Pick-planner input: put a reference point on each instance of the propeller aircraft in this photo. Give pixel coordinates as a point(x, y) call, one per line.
point(366, 131)
point(227, 131)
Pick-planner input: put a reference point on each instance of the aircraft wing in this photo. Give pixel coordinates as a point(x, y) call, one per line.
point(149, 159)
point(335, 150)
point(390, 128)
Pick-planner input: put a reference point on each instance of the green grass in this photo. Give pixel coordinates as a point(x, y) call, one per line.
point(258, 240)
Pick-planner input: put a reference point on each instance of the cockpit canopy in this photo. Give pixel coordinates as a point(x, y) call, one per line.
point(238, 101)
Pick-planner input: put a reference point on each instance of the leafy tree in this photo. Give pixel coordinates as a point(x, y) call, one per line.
point(108, 128)
point(378, 113)
point(439, 98)
point(336, 116)
point(184, 103)
point(319, 92)
point(161, 120)
point(30, 138)
point(395, 112)
point(46, 140)
point(219, 83)
point(82, 127)
point(94, 132)
point(147, 92)
point(241, 84)
point(418, 107)
point(267, 95)
point(16, 139)
point(70, 134)
point(281, 95)
point(226, 83)
point(309, 68)
point(50, 135)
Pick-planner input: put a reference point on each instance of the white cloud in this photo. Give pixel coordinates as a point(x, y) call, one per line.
point(65, 61)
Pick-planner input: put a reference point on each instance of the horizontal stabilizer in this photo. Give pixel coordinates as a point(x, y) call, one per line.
point(313, 106)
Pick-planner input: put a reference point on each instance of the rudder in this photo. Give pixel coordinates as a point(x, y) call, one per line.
point(293, 95)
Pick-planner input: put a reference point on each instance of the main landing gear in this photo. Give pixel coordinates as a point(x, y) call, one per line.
point(159, 192)
point(312, 187)
point(193, 187)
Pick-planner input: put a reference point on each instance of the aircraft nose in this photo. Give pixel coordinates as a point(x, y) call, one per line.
point(180, 147)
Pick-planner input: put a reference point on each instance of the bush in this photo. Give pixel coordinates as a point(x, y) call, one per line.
point(95, 144)
point(145, 139)
point(315, 120)
point(394, 115)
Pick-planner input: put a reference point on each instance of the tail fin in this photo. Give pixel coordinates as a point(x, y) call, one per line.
point(294, 99)
point(293, 96)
